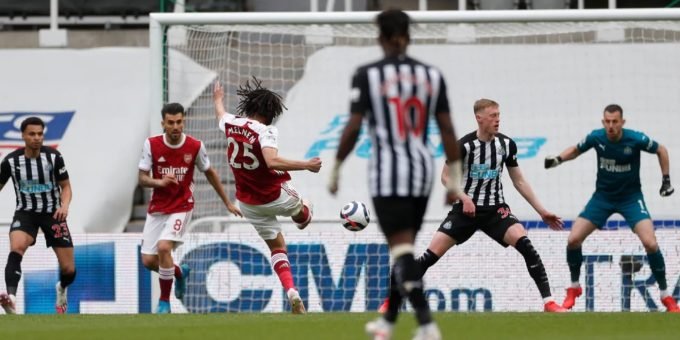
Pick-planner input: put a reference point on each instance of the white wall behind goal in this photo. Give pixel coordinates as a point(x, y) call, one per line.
point(95, 105)
point(551, 96)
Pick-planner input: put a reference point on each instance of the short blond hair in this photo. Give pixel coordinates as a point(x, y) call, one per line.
point(483, 103)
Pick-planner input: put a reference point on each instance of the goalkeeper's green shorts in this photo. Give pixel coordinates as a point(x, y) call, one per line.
point(599, 209)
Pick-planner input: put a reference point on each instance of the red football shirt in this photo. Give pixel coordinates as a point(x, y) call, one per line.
point(255, 183)
point(162, 158)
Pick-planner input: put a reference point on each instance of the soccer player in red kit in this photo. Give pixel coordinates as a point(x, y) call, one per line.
point(262, 179)
point(167, 166)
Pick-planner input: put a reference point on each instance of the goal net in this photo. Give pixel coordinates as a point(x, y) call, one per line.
point(552, 72)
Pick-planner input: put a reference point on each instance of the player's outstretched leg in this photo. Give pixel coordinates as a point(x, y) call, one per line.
point(304, 217)
point(181, 274)
point(8, 303)
point(537, 272)
point(574, 260)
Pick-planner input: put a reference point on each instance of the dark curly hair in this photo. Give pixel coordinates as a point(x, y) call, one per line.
point(257, 100)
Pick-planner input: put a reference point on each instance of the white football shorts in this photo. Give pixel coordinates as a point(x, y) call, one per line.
point(263, 217)
point(170, 227)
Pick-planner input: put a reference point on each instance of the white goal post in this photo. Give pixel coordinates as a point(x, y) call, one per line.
point(160, 20)
point(552, 71)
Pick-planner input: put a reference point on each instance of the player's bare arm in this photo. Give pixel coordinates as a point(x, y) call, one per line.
point(452, 152)
point(146, 181)
point(274, 162)
point(553, 221)
point(214, 180)
point(566, 155)
point(218, 95)
point(469, 207)
point(66, 194)
point(664, 164)
point(347, 141)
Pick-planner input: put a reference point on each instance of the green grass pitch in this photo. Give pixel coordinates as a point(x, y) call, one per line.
point(331, 326)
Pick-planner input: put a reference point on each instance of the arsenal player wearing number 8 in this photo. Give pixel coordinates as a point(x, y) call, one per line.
point(167, 166)
point(261, 175)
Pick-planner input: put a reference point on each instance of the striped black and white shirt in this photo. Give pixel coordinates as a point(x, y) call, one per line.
point(398, 96)
point(483, 167)
point(35, 179)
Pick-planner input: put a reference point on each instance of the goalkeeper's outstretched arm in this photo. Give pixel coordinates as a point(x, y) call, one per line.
point(664, 164)
point(566, 155)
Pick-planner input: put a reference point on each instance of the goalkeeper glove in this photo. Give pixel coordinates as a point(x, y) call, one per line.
point(666, 187)
point(552, 161)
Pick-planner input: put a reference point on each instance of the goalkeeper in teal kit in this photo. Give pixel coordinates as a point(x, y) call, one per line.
point(617, 191)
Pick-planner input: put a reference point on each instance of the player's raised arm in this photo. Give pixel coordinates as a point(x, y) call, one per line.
point(218, 100)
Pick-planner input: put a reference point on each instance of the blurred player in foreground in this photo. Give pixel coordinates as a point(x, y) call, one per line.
point(398, 95)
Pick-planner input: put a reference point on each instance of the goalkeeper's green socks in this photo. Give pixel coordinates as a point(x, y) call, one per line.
point(574, 260)
point(658, 266)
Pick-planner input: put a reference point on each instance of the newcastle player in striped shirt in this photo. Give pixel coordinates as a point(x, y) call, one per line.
point(43, 195)
point(483, 207)
point(397, 96)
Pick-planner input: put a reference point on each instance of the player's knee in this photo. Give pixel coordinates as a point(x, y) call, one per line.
point(150, 262)
point(302, 215)
point(67, 269)
point(18, 249)
point(651, 246)
point(574, 242)
point(525, 247)
point(165, 248)
point(20, 246)
point(407, 273)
